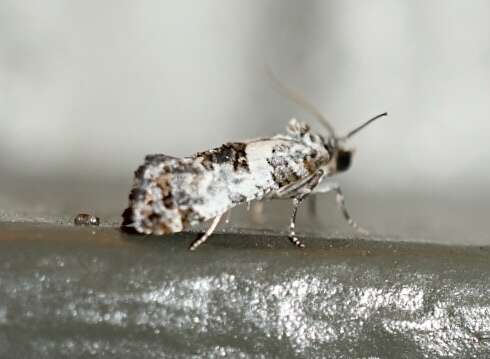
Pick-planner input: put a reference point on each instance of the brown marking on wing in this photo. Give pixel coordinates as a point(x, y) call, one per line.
point(233, 153)
point(163, 182)
point(310, 165)
point(185, 216)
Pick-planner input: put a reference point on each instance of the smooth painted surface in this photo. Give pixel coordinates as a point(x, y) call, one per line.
point(75, 292)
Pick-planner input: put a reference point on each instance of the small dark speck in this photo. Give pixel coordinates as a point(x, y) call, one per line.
point(84, 219)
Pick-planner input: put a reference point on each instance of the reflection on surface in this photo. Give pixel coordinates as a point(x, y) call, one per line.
point(80, 291)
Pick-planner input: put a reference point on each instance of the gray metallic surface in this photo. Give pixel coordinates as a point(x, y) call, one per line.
point(79, 292)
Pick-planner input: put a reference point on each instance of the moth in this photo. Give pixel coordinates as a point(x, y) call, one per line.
point(172, 194)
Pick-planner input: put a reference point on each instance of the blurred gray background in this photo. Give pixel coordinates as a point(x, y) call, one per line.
point(88, 88)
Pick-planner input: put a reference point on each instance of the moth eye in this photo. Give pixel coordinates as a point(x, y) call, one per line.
point(343, 160)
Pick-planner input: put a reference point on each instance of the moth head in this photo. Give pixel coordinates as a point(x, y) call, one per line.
point(333, 143)
point(335, 146)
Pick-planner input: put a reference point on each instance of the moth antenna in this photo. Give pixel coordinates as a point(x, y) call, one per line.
point(357, 129)
point(298, 99)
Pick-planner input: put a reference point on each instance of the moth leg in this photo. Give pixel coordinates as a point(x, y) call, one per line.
point(299, 191)
point(302, 187)
point(339, 196)
point(292, 224)
point(200, 240)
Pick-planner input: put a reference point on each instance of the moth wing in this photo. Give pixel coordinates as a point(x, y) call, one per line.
point(159, 157)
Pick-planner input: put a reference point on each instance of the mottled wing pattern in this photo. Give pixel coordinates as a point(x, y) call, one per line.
point(172, 194)
point(230, 153)
point(164, 193)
